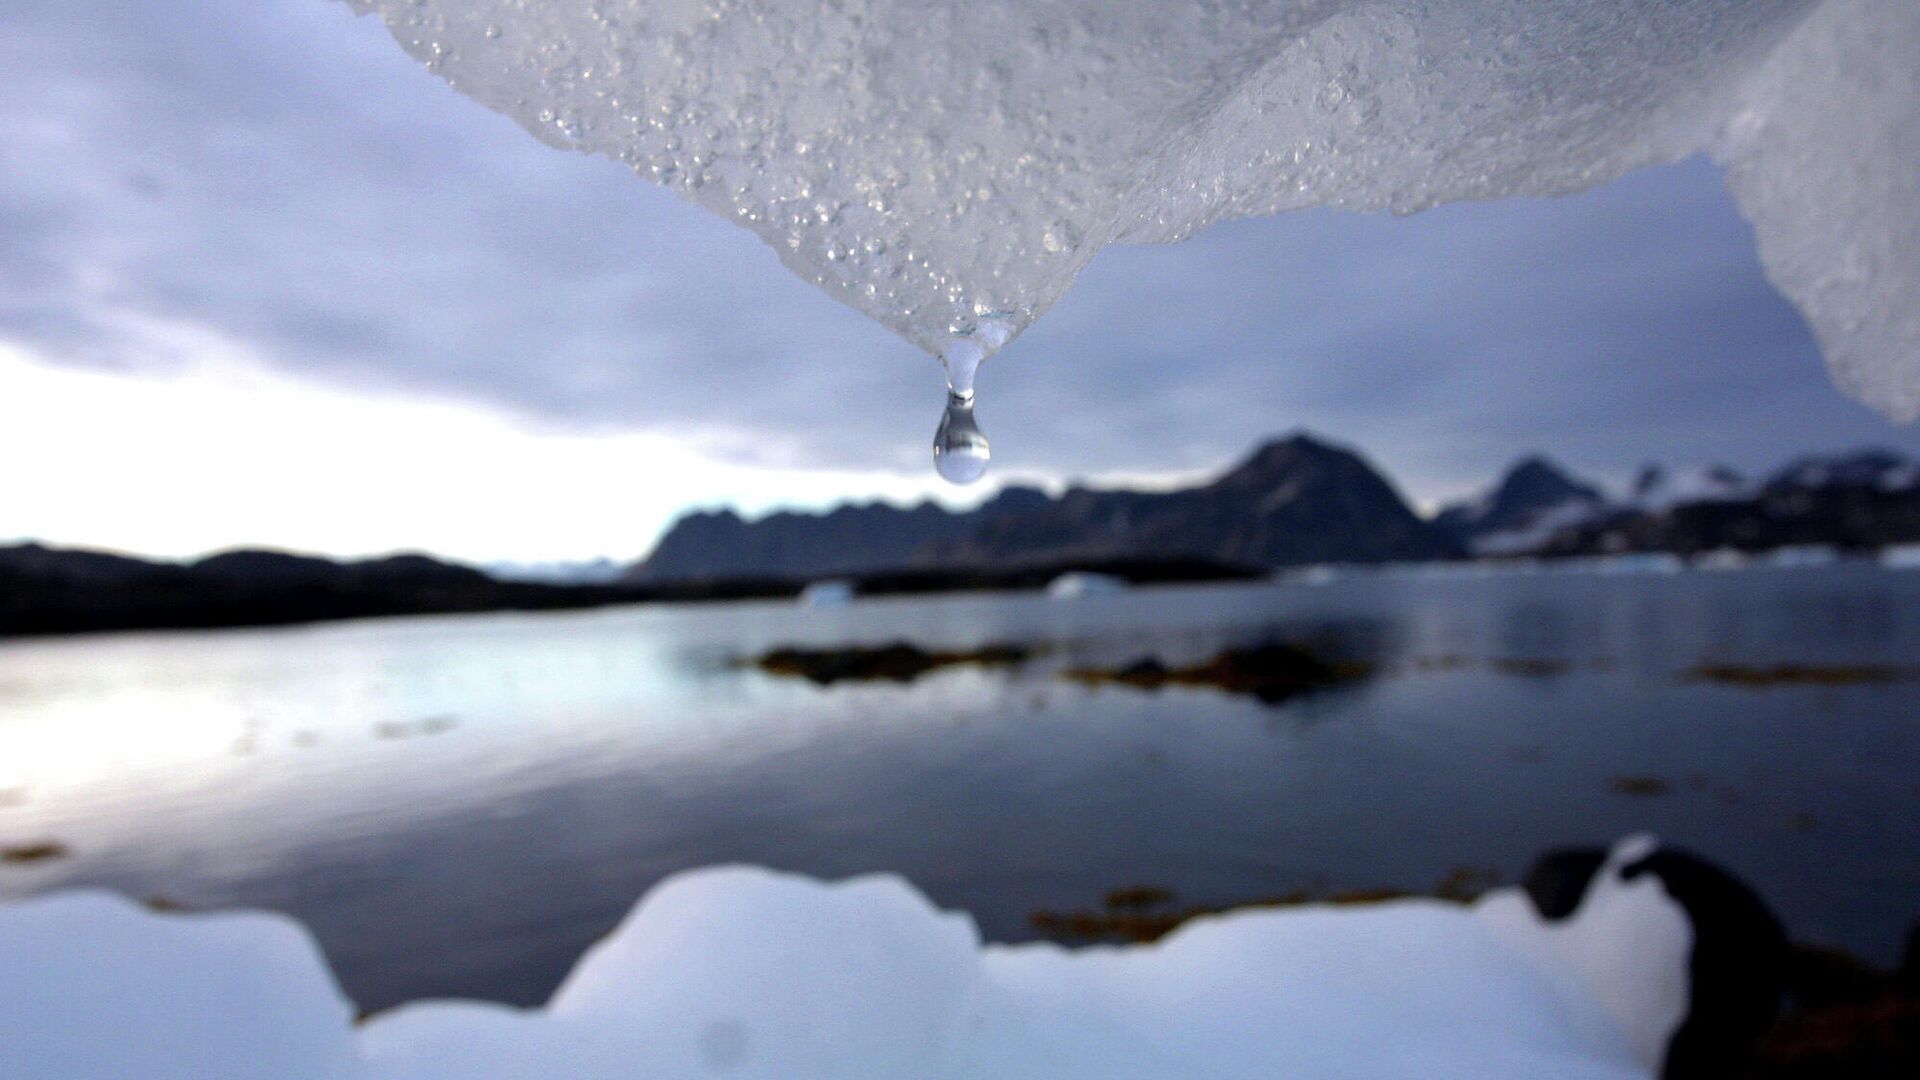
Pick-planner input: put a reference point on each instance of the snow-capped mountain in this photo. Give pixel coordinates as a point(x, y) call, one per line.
point(1871, 468)
point(1534, 500)
point(1860, 500)
point(1657, 489)
point(600, 571)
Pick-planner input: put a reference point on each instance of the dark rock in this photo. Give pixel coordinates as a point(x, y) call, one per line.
point(1558, 880)
point(1642, 786)
point(896, 662)
point(1738, 968)
point(1273, 672)
point(1146, 670)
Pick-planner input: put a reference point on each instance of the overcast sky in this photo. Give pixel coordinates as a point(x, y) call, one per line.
point(265, 280)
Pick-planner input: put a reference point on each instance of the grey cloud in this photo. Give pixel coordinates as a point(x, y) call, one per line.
point(278, 171)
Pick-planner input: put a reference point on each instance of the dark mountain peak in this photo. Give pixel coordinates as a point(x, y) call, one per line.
point(1015, 499)
point(1280, 460)
point(260, 565)
point(414, 566)
point(707, 517)
point(1534, 490)
point(1296, 446)
point(1537, 481)
point(79, 565)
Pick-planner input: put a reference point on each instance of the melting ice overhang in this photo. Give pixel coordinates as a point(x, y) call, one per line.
point(934, 162)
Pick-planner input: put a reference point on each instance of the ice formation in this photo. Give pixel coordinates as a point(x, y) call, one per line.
point(940, 163)
point(740, 972)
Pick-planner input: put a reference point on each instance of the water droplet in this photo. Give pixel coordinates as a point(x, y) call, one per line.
point(959, 449)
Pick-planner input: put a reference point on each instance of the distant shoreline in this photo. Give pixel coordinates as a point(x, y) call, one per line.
point(47, 592)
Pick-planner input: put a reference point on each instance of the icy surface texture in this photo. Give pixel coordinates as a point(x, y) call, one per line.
point(1824, 158)
point(739, 972)
point(933, 162)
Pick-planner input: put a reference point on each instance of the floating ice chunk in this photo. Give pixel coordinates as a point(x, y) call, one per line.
point(742, 972)
point(95, 987)
point(733, 971)
point(834, 592)
point(1900, 556)
point(942, 163)
point(1643, 989)
point(1080, 584)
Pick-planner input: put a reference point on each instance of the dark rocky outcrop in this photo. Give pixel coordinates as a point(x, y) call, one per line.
point(895, 662)
point(1272, 672)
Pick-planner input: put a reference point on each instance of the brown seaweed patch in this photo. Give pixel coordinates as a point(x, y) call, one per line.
point(896, 662)
point(1849, 1019)
point(1795, 674)
point(1272, 672)
point(1531, 667)
point(1139, 897)
point(1642, 786)
point(37, 852)
point(1138, 914)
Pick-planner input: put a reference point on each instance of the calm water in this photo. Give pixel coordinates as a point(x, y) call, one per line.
point(460, 805)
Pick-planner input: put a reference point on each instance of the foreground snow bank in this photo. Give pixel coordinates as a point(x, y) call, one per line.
point(742, 972)
point(949, 166)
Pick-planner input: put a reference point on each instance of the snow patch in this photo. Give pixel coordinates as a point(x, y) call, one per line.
point(1657, 490)
point(1080, 584)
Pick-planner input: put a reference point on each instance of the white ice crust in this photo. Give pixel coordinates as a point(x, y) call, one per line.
point(742, 972)
point(936, 162)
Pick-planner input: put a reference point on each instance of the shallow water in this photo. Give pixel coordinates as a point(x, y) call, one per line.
point(459, 805)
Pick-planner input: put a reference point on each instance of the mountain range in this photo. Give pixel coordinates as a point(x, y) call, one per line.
point(1862, 500)
point(1301, 500)
point(1294, 501)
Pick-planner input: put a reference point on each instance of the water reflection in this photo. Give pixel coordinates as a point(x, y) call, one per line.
point(458, 806)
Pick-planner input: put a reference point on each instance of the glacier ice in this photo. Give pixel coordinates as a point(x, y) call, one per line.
point(937, 163)
point(741, 972)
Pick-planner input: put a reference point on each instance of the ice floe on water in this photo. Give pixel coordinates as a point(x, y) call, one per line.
point(1082, 584)
point(943, 165)
point(743, 972)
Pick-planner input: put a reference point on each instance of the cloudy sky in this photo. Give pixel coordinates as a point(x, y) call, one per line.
point(265, 280)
